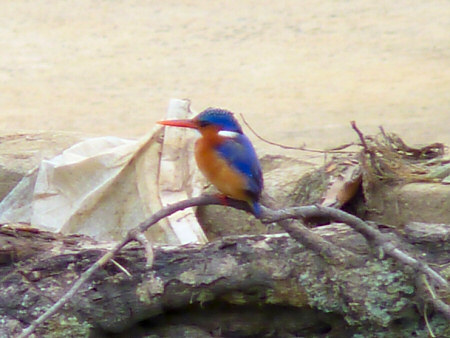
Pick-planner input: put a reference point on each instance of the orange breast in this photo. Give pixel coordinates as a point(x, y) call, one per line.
point(218, 172)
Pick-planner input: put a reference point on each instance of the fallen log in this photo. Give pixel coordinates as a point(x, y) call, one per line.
point(240, 286)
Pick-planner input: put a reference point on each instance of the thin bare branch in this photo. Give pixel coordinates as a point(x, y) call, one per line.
point(360, 135)
point(429, 294)
point(366, 148)
point(373, 235)
point(149, 254)
point(125, 271)
point(303, 148)
point(132, 235)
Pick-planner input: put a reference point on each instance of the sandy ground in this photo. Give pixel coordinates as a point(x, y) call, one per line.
point(298, 70)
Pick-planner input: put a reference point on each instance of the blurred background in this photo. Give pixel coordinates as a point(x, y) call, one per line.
point(298, 70)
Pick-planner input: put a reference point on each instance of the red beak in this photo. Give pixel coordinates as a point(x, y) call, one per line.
point(179, 123)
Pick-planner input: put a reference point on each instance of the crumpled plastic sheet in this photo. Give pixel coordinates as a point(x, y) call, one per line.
point(104, 186)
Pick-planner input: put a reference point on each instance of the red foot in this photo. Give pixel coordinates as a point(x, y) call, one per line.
point(223, 199)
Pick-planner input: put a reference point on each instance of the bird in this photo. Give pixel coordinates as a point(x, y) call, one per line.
point(225, 155)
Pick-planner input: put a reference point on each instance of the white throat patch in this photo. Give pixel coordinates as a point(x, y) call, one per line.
point(227, 133)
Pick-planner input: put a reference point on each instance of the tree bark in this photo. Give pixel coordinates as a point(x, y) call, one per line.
point(239, 286)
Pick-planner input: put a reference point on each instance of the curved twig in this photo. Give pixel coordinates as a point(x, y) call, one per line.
point(131, 236)
point(337, 150)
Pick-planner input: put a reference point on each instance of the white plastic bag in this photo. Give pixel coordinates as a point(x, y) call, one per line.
point(104, 186)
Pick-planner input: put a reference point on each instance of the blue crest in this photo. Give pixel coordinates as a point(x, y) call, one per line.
point(221, 118)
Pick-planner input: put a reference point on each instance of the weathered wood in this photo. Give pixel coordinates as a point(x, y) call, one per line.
point(243, 285)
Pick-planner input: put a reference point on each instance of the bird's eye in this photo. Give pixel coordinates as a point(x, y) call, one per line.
point(204, 124)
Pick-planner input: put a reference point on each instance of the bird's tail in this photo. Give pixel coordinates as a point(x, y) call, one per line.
point(256, 209)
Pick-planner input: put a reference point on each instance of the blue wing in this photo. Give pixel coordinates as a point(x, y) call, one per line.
point(240, 154)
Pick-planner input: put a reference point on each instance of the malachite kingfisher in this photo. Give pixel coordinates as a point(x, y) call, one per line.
point(225, 155)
